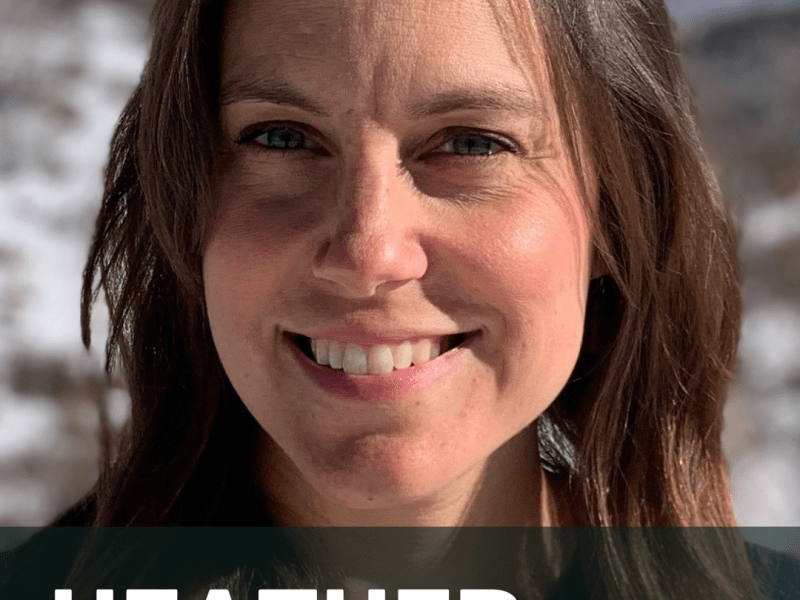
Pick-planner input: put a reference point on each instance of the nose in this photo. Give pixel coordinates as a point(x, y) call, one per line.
point(375, 240)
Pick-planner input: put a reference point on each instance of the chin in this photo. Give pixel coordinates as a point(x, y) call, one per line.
point(377, 472)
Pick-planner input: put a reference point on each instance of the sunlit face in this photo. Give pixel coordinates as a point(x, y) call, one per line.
point(390, 172)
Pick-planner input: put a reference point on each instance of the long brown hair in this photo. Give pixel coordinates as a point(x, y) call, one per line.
point(637, 431)
point(645, 421)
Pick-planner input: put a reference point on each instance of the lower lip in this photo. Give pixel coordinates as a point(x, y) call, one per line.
point(376, 388)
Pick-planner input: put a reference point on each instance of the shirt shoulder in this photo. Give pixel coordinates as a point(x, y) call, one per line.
point(40, 565)
point(777, 574)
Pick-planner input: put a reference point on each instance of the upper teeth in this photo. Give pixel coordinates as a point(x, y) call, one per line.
point(374, 360)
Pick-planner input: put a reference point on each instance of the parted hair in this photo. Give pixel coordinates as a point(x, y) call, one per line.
point(637, 430)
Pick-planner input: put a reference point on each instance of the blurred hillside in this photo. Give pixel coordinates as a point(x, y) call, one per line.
point(66, 69)
point(745, 70)
point(746, 74)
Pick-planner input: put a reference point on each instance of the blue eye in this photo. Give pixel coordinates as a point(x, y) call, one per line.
point(279, 137)
point(465, 144)
point(286, 137)
point(475, 143)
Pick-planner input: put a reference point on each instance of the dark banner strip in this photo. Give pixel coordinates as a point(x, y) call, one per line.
point(397, 563)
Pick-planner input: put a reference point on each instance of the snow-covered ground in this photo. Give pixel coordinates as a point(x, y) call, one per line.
point(62, 87)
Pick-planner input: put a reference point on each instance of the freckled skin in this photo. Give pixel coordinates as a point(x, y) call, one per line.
point(379, 229)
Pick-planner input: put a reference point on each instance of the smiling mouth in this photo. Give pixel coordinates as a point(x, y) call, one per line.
point(380, 359)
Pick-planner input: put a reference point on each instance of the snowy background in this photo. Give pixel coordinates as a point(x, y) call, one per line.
point(68, 66)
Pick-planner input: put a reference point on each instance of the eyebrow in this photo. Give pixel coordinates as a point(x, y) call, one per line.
point(267, 88)
point(270, 88)
point(502, 97)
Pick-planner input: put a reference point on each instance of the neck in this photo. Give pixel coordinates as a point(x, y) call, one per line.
point(472, 535)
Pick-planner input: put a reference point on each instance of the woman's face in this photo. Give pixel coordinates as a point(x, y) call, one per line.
point(391, 176)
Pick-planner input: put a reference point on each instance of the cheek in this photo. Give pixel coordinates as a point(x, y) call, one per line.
point(259, 236)
point(266, 216)
point(533, 256)
point(255, 245)
point(231, 303)
point(531, 263)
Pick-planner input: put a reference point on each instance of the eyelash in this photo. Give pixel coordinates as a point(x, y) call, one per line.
point(252, 133)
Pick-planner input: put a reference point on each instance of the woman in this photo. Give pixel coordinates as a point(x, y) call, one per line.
point(248, 212)
point(364, 259)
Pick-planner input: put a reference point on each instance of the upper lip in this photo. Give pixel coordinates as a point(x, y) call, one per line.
point(372, 338)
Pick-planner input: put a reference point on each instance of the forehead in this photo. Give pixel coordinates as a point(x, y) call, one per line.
point(374, 54)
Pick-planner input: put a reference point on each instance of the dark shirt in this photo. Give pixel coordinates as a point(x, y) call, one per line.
point(41, 565)
point(777, 574)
